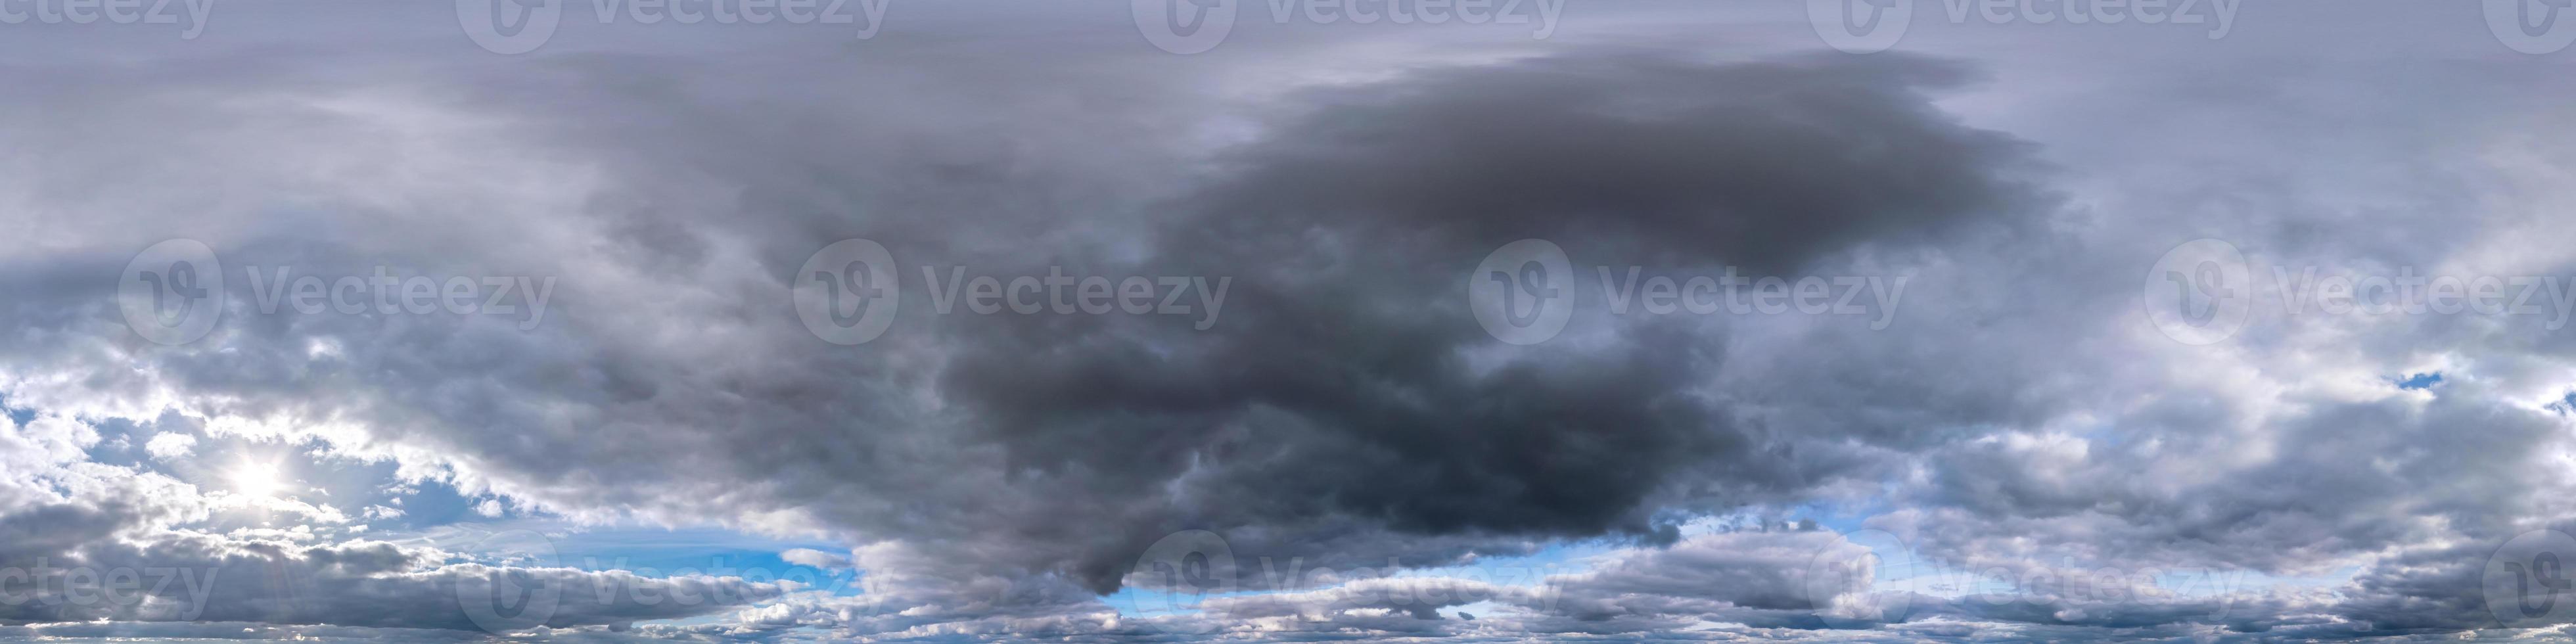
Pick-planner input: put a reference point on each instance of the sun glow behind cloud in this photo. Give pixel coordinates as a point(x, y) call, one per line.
point(255, 479)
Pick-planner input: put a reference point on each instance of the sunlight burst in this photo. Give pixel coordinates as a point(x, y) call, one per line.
point(258, 480)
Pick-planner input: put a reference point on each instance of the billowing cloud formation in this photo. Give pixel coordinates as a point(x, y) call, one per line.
point(90, 542)
point(1995, 445)
point(1348, 389)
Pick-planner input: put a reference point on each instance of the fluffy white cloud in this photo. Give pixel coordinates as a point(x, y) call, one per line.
point(168, 446)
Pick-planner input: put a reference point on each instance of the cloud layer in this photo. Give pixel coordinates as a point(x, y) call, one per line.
point(2005, 448)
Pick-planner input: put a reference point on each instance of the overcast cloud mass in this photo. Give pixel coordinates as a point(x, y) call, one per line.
point(1288, 320)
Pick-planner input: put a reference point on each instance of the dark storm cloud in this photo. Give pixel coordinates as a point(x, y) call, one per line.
point(1340, 384)
point(1765, 165)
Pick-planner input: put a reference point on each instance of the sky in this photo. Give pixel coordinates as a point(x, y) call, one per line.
point(1287, 320)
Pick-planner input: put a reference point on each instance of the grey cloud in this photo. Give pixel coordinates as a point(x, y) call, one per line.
point(993, 475)
point(1328, 403)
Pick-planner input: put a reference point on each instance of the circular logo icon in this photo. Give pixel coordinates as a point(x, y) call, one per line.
point(1842, 580)
point(1523, 292)
point(516, 597)
point(2200, 292)
point(847, 292)
point(173, 292)
point(2527, 582)
point(1860, 26)
point(2532, 26)
point(509, 27)
point(1184, 26)
point(1175, 574)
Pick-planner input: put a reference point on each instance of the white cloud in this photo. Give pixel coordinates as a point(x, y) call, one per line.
point(815, 558)
point(170, 445)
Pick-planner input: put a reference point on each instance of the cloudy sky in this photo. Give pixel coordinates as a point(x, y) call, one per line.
point(1287, 320)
